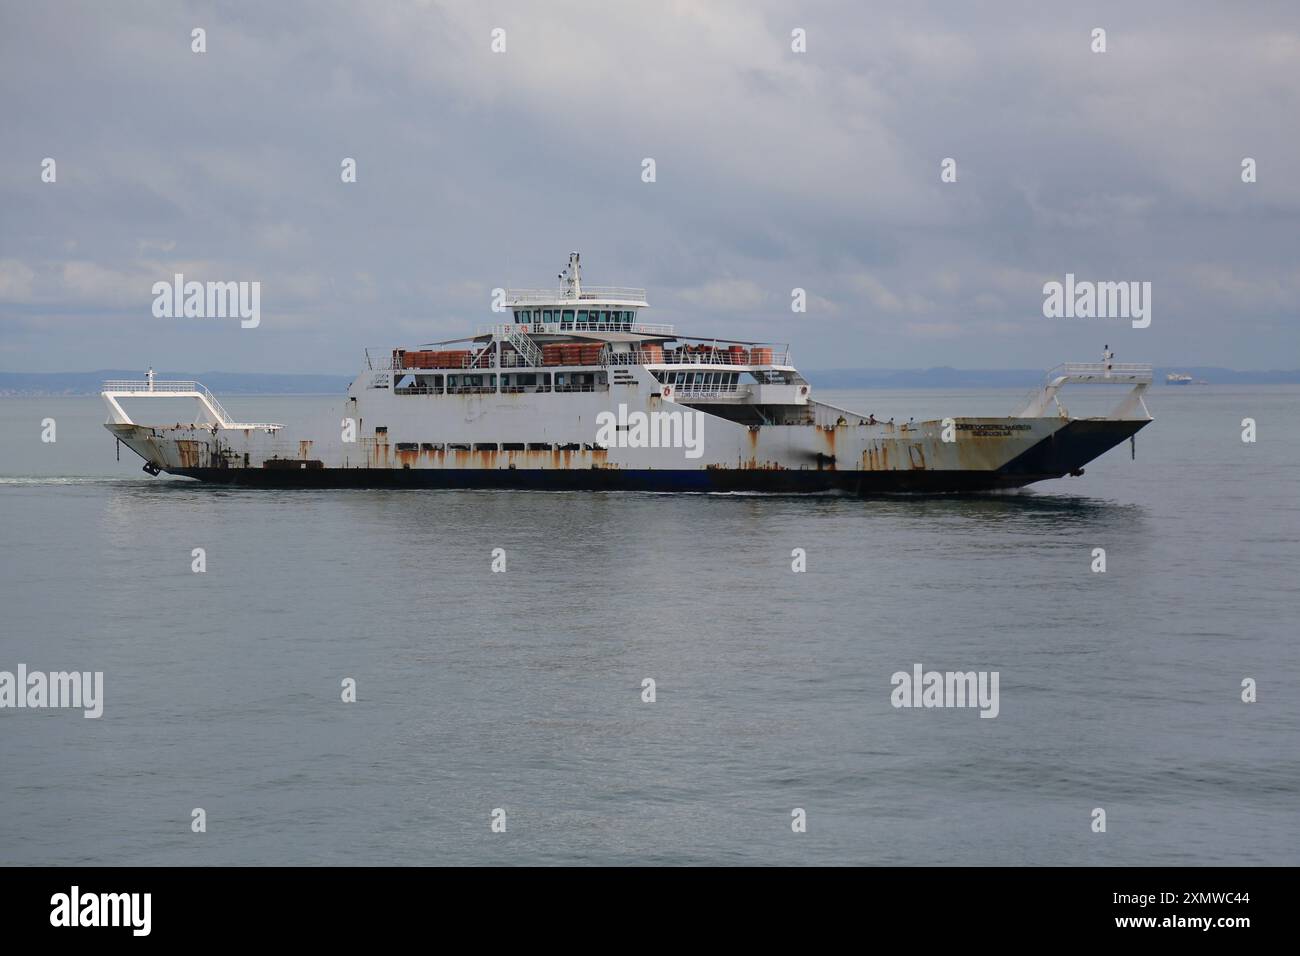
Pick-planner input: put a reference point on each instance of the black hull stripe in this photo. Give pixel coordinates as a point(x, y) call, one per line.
point(611, 479)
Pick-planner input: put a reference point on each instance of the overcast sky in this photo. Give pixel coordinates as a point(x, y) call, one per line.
point(775, 170)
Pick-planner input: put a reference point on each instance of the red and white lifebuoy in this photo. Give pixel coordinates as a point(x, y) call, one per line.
point(803, 389)
point(668, 391)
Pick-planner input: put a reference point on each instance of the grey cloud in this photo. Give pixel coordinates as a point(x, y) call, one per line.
point(775, 170)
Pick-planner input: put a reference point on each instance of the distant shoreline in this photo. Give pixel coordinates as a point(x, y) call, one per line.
point(80, 384)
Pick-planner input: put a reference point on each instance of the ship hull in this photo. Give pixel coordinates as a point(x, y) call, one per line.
point(1062, 453)
point(579, 441)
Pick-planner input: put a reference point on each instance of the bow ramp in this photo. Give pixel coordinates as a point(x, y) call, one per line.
point(1131, 408)
point(212, 412)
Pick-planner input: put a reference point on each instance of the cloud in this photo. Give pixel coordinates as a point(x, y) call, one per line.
point(776, 170)
point(725, 295)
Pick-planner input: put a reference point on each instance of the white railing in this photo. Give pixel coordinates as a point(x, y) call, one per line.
point(144, 388)
point(132, 387)
point(1121, 372)
point(525, 346)
point(1094, 373)
point(564, 328)
point(144, 385)
point(589, 293)
point(709, 391)
point(720, 357)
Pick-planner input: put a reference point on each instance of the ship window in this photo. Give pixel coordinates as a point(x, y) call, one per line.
point(568, 316)
point(527, 315)
point(582, 316)
point(546, 315)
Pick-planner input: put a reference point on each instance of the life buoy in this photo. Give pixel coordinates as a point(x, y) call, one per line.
point(668, 391)
point(803, 389)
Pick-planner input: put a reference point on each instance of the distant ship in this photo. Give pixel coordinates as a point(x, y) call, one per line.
point(579, 393)
point(1178, 378)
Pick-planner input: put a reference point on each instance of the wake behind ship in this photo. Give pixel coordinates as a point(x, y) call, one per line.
point(578, 393)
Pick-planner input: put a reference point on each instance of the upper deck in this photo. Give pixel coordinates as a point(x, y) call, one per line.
point(585, 339)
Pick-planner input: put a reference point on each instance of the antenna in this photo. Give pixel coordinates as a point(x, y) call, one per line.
point(574, 273)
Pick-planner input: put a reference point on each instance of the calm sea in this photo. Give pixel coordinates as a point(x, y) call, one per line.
point(523, 690)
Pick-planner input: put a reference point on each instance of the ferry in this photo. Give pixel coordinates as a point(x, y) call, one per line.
point(1178, 378)
point(577, 391)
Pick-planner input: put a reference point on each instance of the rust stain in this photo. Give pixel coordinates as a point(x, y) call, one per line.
point(752, 464)
point(188, 452)
point(463, 456)
point(876, 456)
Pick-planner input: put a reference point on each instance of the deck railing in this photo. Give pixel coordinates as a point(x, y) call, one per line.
point(564, 328)
point(1122, 372)
point(114, 389)
point(589, 293)
point(682, 357)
